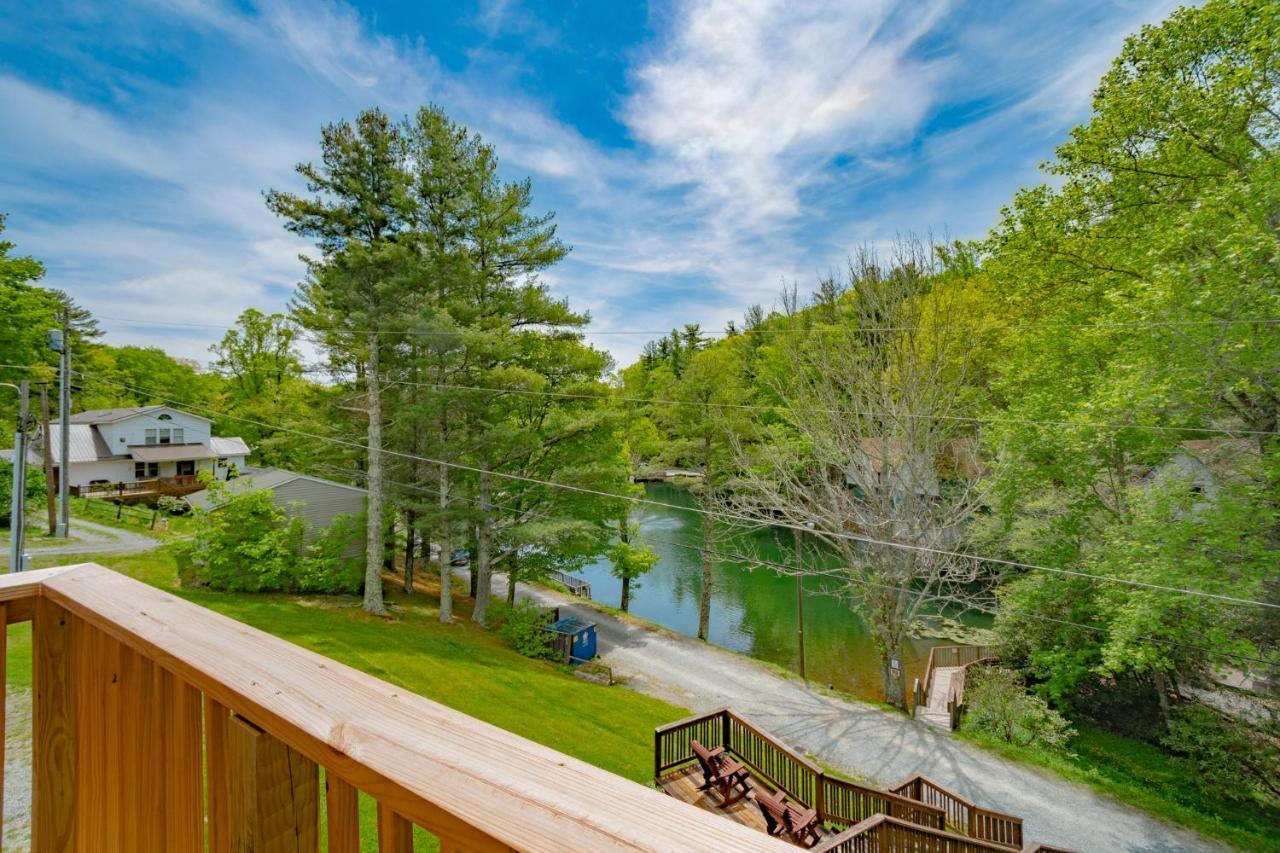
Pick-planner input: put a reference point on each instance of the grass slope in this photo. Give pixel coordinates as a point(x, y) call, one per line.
point(459, 665)
point(1144, 776)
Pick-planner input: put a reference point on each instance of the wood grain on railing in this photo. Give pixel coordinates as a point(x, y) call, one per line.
point(122, 671)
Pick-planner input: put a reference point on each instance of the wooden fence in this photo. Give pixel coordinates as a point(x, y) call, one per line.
point(943, 656)
point(838, 802)
point(156, 721)
point(884, 834)
point(963, 816)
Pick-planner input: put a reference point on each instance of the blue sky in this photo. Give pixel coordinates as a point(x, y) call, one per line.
point(697, 153)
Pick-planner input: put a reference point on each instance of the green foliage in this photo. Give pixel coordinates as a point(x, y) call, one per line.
point(35, 488)
point(246, 543)
point(329, 565)
point(1227, 757)
point(997, 703)
point(628, 561)
point(524, 629)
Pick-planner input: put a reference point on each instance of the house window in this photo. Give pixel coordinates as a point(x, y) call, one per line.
point(145, 470)
point(178, 435)
point(164, 417)
point(186, 467)
point(151, 435)
point(164, 436)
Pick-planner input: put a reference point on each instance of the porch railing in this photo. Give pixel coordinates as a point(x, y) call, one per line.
point(154, 718)
point(838, 802)
point(963, 815)
point(942, 656)
point(183, 484)
point(885, 834)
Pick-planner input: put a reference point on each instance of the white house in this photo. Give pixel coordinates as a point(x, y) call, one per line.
point(141, 443)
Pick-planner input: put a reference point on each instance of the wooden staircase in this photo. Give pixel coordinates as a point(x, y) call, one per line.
point(941, 695)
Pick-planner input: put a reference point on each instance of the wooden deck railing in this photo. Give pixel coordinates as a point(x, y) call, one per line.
point(940, 656)
point(154, 718)
point(184, 484)
point(838, 802)
point(885, 834)
point(963, 816)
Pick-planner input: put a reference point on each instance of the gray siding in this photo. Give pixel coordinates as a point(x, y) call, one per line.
point(321, 501)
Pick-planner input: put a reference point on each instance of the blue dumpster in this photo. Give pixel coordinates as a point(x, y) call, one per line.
point(575, 639)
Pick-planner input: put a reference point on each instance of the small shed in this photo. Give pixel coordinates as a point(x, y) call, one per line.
point(573, 639)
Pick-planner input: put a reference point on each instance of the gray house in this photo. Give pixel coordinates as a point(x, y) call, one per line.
point(316, 500)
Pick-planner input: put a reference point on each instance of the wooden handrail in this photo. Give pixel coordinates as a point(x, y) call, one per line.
point(884, 834)
point(837, 801)
point(941, 656)
point(963, 815)
point(473, 785)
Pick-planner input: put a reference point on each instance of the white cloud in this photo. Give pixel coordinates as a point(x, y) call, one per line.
point(747, 99)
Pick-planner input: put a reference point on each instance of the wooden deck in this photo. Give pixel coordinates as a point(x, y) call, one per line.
point(683, 785)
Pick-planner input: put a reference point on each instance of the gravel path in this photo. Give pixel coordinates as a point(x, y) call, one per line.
point(17, 770)
point(866, 741)
point(92, 538)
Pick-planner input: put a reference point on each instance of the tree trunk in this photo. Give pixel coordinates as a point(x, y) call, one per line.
point(1162, 694)
point(373, 528)
point(446, 550)
point(389, 545)
point(410, 539)
point(482, 572)
point(624, 536)
point(895, 680)
point(704, 602)
point(512, 574)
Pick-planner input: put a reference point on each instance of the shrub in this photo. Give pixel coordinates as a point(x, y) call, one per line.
point(327, 568)
point(1229, 758)
point(249, 544)
point(998, 704)
point(35, 488)
point(523, 627)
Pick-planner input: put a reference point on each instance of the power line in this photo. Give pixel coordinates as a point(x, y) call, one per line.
point(790, 571)
point(583, 329)
point(854, 537)
point(764, 407)
point(782, 567)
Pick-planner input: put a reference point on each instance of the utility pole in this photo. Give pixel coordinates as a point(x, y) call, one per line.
point(60, 340)
point(17, 502)
point(49, 488)
point(799, 602)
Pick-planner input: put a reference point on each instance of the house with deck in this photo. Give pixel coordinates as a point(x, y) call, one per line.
point(140, 451)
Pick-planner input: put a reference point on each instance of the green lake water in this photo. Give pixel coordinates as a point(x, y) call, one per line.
point(753, 609)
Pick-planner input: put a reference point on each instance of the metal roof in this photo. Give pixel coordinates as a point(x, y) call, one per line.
point(84, 443)
point(102, 416)
point(168, 452)
point(231, 446)
point(263, 478)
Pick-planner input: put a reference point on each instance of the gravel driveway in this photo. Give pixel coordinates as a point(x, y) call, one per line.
point(866, 741)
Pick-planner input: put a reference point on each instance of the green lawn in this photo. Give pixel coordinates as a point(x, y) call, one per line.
point(1142, 775)
point(459, 665)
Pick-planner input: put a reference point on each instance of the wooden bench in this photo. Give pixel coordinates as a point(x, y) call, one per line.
point(728, 776)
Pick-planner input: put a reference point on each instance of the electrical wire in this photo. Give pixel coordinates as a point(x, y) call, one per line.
point(782, 407)
point(867, 540)
point(1231, 321)
point(790, 571)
